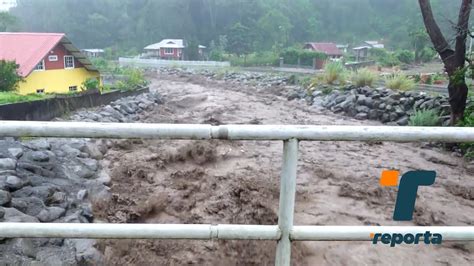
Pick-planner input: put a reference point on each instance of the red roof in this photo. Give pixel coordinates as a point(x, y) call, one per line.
point(327, 48)
point(27, 49)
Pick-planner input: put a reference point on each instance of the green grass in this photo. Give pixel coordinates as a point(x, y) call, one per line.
point(400, 82)
point(424, 118)
point(335, 71)
point(363, 77)
point(11, 97)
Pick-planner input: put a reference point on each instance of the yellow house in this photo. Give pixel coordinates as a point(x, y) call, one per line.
point(48, 62)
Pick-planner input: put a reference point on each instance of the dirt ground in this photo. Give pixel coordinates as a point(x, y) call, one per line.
point(238, 182)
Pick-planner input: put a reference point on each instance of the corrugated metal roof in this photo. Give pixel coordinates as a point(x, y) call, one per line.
point(166, 43)
point(28, 49)
point(327, 48)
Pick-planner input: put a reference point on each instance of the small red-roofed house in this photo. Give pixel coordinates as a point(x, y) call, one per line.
point(48, 62)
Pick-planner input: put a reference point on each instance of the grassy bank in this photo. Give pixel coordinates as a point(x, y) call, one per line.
point(11, 97)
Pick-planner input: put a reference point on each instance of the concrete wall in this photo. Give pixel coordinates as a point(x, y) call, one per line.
point(169, 63)
point(44, 110)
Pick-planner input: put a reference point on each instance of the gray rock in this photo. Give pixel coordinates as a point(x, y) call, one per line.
point(26, 247)
point(93, 151)
point(16, 152)
point(31, 206)
point(14, 182)
point(39, 156)
point(82, 194)
point(393, 117)
point(362, 109)
point(361, 116)
point(50, 214)
point(373, 114)
point(58, 197)
point(91, 164)
point(403, 121)
point(7, 164)
point(340, 99)
point(38, 144)
point(13, 215)
point(385, 118)
point(5, 197)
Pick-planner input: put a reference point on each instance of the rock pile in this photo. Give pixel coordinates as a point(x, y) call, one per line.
point(124, 110)
point(240, 77)
point(54, 181)
point(385, 105)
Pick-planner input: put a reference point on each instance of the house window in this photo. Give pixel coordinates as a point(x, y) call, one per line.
point(40, 66)
point(40, 91)
point(169, 51)
point(53, 58)
point(68, 61)
point(72, 88)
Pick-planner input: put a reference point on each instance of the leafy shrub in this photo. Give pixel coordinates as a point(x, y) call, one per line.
point(468, 121)
point(134, 78)
point(255, 59)
point(334, 71)
point(427, 54)
point(9, 77)
point(90, 84)
point(384, 58)
point(405, 56)
point(399, 81)
point(291, 56)
point(424, 118)
point(216, 55)
point(363, 77)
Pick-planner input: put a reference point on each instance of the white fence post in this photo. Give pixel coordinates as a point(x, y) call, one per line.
point(287, 201)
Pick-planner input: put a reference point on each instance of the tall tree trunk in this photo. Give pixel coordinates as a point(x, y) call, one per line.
point(454, 60)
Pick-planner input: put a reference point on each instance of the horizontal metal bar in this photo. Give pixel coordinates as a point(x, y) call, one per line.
point(139, 231)
point(221, 231)
point(362, 233)
point(234, 132)
point(103, 130)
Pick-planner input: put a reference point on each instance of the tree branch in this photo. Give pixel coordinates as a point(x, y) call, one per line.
point(462, 30)
point(436, 36)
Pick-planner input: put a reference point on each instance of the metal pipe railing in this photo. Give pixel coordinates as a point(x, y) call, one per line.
point(362, 233)
point(285, 232)
point(234, 132)
point(287, 200)
point(221, 231)
point(140, 231)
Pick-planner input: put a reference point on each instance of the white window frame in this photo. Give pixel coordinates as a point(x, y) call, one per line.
point(53, 58)
point(40, 91)
point(65, 65)
point(72, 88)
point(167, 49)
point(43, 68)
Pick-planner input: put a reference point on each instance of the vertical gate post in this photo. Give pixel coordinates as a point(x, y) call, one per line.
point(287, 201)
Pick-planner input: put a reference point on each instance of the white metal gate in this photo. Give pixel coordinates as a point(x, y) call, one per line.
point(285, 232)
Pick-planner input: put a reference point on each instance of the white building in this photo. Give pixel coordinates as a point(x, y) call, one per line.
point(5, 5)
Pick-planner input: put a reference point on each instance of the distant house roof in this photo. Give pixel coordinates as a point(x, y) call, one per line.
point(375, 44)
point(166, 43)
point(327, 48)
point(28, 49)
point(93, 50)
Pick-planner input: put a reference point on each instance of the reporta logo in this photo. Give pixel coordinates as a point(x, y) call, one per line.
point(405, 205)
point(396, 239)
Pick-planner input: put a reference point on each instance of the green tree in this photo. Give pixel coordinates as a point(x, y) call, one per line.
point(9, 77)
point(8, 22)
point(239, 39)
point(420, 40)
point(274, 29)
